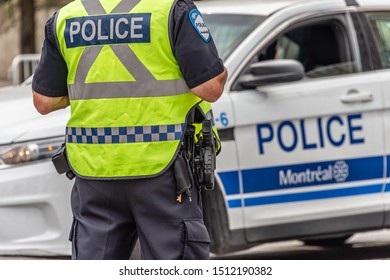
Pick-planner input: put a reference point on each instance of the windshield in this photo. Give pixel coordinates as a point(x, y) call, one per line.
point(229, 30)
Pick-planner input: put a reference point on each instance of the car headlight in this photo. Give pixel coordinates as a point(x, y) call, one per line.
point(26, 152)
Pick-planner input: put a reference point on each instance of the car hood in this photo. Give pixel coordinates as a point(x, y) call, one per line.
point(19, 120)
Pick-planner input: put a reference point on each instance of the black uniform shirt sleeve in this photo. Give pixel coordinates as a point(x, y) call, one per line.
point(50, 77)
point(197, 59)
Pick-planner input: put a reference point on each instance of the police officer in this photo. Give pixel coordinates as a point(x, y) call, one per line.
point(132, 72)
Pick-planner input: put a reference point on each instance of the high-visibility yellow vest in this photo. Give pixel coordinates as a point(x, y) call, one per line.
point(128, 98)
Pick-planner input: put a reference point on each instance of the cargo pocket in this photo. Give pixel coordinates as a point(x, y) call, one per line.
point(73, 238)
point(196, 240)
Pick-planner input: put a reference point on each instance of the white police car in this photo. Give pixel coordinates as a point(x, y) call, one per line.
point(304, 123)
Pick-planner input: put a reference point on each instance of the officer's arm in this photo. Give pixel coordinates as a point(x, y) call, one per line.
point(212, 89)
point(45, 105)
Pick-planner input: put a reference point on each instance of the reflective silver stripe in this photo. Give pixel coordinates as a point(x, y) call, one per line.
point(132, 63)
point(145, 84)
point(209, 115)
point(93, 7)
point(86, 61)
point(120, 135)
point(125, 6)
point(127, 89)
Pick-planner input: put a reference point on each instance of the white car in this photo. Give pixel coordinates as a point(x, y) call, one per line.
point(35, 213)
point(304, 123)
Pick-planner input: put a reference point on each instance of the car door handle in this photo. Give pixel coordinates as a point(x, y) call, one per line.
point(355, 96)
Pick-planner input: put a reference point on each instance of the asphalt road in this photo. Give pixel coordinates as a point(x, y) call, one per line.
point(363, 246)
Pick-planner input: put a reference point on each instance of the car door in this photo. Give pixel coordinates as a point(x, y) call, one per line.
point(310, 152)
point(378, 22)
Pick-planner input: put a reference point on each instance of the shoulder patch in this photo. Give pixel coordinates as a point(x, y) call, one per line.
point(199, 25)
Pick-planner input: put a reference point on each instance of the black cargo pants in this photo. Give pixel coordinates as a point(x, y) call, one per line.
point(110, 215)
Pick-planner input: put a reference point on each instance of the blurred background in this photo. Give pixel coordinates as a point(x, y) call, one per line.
point(39, 225)
point(22, 29)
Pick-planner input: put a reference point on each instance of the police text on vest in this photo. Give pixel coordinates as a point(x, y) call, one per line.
point(107, 30)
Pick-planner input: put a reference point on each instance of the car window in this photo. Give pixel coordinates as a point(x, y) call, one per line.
point(322, 48)
point(380, 22)
point(229, 30)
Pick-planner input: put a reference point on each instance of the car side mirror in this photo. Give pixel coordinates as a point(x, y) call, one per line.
point(271, 72)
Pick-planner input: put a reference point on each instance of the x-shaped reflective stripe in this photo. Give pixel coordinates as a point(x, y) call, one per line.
point(128, 58)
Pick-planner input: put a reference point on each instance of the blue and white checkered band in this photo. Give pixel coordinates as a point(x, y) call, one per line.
point(130, 134)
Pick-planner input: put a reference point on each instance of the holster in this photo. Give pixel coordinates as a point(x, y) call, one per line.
point(199, 157)
point(61, 164)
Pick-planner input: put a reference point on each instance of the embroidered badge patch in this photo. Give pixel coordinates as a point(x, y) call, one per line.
point(199, 25)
